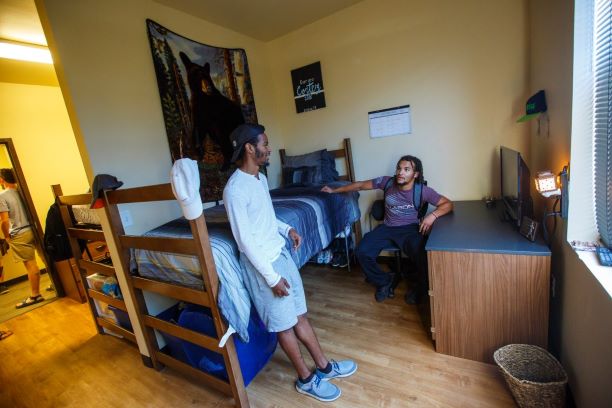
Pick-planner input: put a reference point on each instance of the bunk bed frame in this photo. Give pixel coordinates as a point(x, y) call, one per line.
point(89, 266)
point(200, 247)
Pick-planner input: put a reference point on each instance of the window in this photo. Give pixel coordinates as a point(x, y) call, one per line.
point(602, 117)
point(590, 187)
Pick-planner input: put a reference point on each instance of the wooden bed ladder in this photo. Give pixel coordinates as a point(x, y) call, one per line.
point(198, 246)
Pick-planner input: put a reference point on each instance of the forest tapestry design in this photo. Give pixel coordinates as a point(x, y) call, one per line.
point(205, 93)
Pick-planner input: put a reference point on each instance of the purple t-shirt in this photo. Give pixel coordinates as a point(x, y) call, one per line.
point(399, 207)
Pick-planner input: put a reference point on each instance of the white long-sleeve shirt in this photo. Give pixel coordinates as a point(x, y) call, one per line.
point(254, 225)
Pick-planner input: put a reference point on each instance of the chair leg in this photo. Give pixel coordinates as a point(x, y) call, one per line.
point(346, 250)
point(397, 275)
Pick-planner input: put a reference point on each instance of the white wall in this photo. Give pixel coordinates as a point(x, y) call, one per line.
point(462, 66)
point(107, 69)
point(581, 312)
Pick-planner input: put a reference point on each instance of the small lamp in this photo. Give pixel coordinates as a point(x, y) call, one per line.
point(551, 186)
point(547, 184)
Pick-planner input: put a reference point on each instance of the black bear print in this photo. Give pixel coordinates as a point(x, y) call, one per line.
point(212, 113)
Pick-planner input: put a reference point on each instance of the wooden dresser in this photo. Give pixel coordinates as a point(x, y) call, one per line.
point(70, 274)
point(488, 285)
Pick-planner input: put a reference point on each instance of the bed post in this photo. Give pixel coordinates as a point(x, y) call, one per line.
point(211, 282)
point(350, 169)
point(116, 230)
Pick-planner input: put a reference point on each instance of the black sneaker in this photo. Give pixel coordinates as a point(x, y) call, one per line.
point(411, 297)
point(335, 262)
point(4, 289)
point(383, 292)
point(342, 261)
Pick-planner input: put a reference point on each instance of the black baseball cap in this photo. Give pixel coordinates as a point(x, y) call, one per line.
point(100, 183)
point(535, 106)
point(242, 134)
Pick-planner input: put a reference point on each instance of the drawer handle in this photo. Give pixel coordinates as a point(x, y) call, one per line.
point(100, 247)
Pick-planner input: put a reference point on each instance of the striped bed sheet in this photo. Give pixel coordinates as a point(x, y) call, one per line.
point(318, 217)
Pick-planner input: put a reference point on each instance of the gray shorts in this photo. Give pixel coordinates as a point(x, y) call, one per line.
point(277, 313)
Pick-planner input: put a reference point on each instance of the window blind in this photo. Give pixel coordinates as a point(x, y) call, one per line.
point(602, 119)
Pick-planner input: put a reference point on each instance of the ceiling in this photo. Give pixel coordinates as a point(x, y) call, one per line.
point(264, 20)
point(19, 22)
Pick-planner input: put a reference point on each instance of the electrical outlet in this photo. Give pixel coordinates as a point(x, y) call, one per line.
point(126, 218)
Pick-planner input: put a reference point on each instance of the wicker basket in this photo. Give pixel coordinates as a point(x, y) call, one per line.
point(534, 376)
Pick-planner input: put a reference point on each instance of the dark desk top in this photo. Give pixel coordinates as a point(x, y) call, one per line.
point(472, 227)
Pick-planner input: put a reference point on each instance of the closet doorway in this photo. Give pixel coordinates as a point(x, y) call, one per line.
point(14, 274)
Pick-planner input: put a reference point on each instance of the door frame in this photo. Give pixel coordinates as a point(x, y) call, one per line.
point(38, 231)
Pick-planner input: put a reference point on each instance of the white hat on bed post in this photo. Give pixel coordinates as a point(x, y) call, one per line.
point(185, 180)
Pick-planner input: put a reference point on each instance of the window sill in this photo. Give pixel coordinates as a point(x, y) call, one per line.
point(602, 273)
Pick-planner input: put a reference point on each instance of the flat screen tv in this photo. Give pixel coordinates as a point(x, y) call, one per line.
point(515, 184)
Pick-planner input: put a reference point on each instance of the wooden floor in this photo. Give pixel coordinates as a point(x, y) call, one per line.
point(56, 359)
point(20, 291)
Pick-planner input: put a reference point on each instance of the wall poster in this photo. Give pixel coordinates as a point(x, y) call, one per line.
point(205, 93)
point(308, 89)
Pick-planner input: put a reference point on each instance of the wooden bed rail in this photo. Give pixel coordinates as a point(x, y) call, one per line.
point(198, 246)
point(158, 192)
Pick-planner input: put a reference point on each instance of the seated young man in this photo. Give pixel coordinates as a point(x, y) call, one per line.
point(401, 225)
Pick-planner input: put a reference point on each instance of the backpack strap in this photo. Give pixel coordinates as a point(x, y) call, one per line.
point(417, 199)
point(388, 185)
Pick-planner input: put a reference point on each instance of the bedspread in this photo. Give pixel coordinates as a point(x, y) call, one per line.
point(318, 217)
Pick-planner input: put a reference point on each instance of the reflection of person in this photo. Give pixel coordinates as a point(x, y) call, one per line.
point(269, 272)
point(4, 334)
point(401, 225)
point(3, 288)
point(17, 231)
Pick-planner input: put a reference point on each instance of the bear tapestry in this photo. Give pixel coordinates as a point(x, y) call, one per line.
point(205, 93)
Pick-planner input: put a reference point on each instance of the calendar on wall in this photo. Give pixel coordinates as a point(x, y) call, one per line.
point(390, 122)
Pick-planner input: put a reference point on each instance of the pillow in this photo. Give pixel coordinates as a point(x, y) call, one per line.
point(84, 215)
point(323, 162)
point(299, 175)
point(328, 170)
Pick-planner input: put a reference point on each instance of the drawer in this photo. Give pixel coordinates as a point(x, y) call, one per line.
point(97, 249)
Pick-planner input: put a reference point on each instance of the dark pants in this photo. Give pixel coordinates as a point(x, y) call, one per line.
point(406, 237)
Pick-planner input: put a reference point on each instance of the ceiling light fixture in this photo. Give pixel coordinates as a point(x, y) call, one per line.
point(25, 52)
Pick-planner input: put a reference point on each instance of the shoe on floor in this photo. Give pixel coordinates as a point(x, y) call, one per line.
point(411, 297)
point(383, 292)
point(318, 389)
point(4, 289)
point(342, 261)
point(4, 334)
point(29, 301)
point(339, 369)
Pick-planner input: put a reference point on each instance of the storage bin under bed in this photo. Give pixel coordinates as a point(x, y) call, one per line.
point(252, 356)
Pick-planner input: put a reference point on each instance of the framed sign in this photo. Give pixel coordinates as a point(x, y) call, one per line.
point(308, 89)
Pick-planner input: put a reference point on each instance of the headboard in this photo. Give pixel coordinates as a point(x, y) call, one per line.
point(343, 153)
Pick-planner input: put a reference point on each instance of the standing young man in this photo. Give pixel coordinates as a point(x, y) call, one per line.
point(17, 231)
point(401, 225)
point(270, 275)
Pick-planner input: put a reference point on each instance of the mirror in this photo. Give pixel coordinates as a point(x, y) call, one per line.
point(19, 266)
